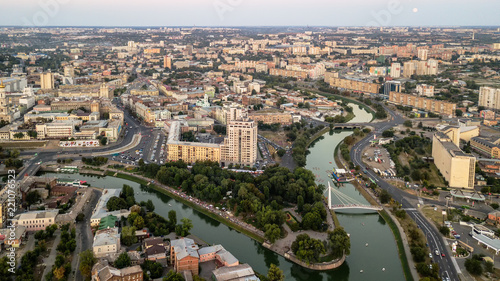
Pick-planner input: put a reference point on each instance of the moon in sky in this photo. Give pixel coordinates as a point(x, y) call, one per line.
point(415, 10)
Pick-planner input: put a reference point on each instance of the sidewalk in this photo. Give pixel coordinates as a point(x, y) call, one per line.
point(51, 259)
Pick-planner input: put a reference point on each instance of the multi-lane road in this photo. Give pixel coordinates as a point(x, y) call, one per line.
point(447, 265)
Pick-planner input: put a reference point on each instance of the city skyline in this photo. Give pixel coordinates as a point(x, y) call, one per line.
point(255, 13)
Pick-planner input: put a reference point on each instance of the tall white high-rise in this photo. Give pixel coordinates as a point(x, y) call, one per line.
point(47, 81)
point(422, 54)
point(395, 70)
point(240, 144)
point(489, 97)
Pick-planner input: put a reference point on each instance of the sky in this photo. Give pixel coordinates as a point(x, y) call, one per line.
point(250, 13)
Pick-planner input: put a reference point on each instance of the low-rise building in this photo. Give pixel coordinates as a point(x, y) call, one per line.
point(184, 255)
point(101, 271)
point(242, 272)
point(36, 220)
point(106, 242)
point(486, 146)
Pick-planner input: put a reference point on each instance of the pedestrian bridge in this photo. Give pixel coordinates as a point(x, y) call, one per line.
point(347, 203)
point(355, 207)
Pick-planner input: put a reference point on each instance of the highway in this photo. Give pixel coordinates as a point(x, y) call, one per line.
point(409, 202)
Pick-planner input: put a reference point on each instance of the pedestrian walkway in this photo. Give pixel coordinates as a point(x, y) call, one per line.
point(51, 259)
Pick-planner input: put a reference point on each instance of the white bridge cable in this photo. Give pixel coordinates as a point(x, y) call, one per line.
point(344, 199)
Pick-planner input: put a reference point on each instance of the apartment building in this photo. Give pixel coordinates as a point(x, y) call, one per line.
point(395, 70)
point(489, 97)
point(425, 67)
point(270, 117)
point(487, 146)
point(47, 81)
point(457, 167)
point(288, 73)
point(190, 152)
point(240, 144)
point(435, 106)
point(425, 90)
point(354, 85)
point(36, 220)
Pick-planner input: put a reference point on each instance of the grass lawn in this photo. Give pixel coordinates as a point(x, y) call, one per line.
point(434, 216)
point(278, 138)
point(434, 176)
point(23, 144)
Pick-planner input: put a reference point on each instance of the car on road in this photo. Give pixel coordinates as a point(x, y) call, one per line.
point(430, 255)
point(437, 252)
point(442, 254)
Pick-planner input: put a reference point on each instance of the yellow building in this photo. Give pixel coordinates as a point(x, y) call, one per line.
point(490, 148)
point(354, 85)
point(141, 92)
point(190, 152)
point(47, 81)
point(457, 167)
point(271, 117)
point(430, 105)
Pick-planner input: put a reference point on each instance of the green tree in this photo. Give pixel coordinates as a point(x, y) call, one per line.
point(459, 113)
point(339, 242)
point(128, 235)
point(173, 276)
point(123, 261)
point(32, 197)
point(385, 197)
point(139, 222)
point(150, 206)
point(116, 203)
point(307, 249)
point(87, 261)
point(275, 273)
point(408, 124)
point(104, 141)
point(444, 230)
point(272, 232)
point(388, 134)
point(281, 152)
point(172, 217)
point(474, 266)
point(19, 135)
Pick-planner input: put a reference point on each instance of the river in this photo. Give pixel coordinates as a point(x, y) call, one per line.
point(381, 251)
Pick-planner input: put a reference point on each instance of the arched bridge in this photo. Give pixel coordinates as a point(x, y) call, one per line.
point(346, 202)
point(355, 207)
